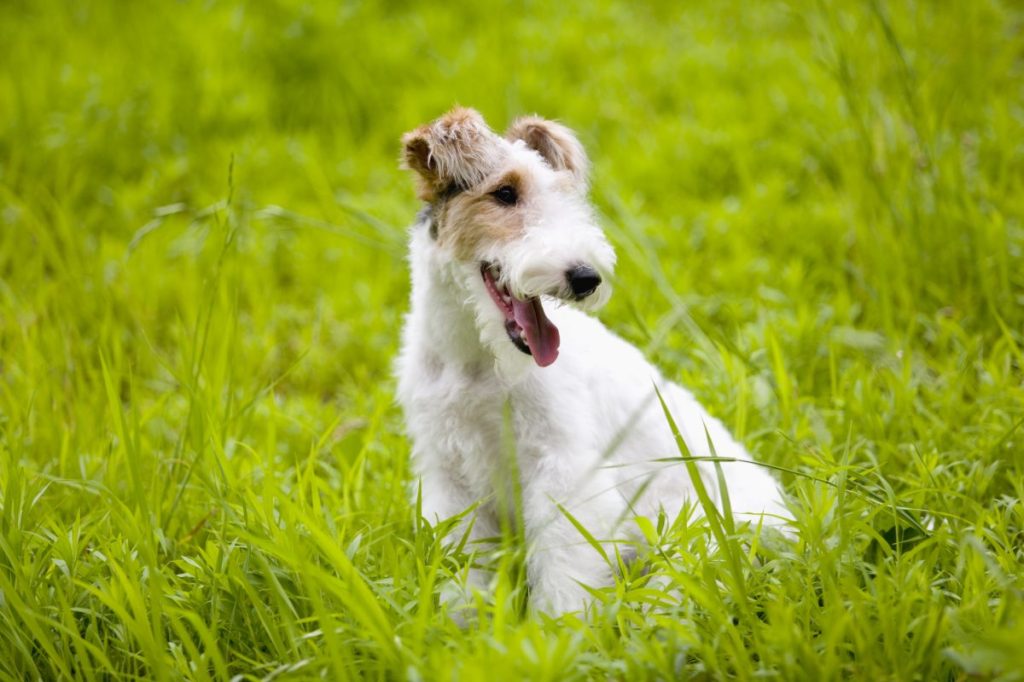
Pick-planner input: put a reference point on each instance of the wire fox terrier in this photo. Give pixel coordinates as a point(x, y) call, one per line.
point(506, 256)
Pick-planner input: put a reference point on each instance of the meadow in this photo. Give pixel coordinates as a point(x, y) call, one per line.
point(817, 209)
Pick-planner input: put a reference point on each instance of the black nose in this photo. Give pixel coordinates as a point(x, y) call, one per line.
point(583, 279)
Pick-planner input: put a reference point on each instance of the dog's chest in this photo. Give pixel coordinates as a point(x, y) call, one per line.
point(456, 419)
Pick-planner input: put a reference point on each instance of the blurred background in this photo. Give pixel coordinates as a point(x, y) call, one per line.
point(817, 208)
point(806, 179)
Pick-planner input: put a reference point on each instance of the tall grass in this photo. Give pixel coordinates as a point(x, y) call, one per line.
point(203, 475)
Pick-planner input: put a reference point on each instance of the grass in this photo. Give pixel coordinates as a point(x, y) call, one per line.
point(817, 209)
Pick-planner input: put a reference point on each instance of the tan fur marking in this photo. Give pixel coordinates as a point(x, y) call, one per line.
point(474, 219)
point(457, 148)
point(512, 178)
point(416, 157)
point(554, 142)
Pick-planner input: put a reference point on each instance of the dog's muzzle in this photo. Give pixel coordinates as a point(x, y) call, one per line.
point(527, 326)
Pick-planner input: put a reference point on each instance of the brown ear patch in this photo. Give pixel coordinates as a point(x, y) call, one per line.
point(416, 152)
point(554, 142)
point(457, 149)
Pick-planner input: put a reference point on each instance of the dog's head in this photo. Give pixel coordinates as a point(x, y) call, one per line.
point(511, 218)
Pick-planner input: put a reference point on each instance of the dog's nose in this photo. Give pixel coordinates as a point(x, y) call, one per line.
point(583, 279)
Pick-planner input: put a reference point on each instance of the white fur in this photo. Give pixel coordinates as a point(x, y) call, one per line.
point(585, 429)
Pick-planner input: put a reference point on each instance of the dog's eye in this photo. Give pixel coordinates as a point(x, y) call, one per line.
point(506, 194)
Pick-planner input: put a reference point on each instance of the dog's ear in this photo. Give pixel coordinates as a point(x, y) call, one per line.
point(456, 151)
point(554, 142)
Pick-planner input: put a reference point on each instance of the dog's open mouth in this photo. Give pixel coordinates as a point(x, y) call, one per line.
point(527, 325)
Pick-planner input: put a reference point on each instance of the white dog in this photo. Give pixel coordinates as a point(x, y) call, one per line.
point(493, 361)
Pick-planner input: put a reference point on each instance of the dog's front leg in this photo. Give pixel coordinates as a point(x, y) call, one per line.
point(444, 498)
point(561, 560)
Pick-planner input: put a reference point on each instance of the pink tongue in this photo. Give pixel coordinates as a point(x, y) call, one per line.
point(541, 335)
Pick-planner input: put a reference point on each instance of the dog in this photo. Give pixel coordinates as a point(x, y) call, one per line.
point(517, 402)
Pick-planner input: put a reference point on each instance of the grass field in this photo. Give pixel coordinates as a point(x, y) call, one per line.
point(818, 213)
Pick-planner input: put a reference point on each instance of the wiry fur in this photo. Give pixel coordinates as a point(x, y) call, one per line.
point(588, 429)
point(456, 150)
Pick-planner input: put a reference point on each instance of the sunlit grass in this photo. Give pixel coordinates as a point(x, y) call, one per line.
point(817, 210)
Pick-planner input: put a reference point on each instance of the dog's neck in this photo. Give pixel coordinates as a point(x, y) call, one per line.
point(442, 324)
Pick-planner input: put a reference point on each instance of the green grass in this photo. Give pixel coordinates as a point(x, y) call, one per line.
point(817, 209)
